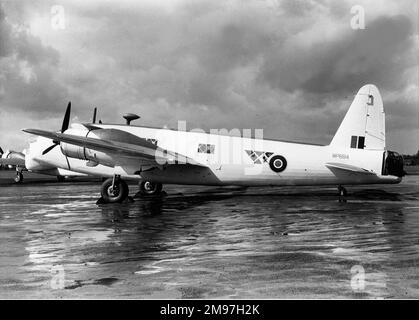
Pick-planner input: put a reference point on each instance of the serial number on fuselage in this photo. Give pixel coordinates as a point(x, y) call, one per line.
point(340, 155)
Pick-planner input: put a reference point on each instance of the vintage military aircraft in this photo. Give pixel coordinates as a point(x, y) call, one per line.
point(356, 155)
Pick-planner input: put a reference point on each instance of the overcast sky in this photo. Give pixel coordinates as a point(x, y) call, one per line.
point(290, 67)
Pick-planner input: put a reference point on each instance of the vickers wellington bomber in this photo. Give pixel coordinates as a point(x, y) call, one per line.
point(356, 155)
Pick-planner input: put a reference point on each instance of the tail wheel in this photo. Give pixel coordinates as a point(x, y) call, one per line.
point(278, 163)
point(19, 177)
point(150, 188)
point(114, 192)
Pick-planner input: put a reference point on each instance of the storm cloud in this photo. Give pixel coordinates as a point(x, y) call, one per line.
point(289, 67)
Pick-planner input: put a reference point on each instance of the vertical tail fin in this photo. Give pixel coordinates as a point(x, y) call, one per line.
point(364, 124)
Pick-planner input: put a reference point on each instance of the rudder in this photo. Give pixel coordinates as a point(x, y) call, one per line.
point(364, 124)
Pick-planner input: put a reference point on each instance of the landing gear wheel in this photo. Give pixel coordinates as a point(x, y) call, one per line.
point(342, 191)
point(114, 191)
point(150, 188)
point(61, 178)
point(19, 177)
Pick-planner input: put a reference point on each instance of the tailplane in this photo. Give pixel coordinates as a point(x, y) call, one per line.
point(364, 124)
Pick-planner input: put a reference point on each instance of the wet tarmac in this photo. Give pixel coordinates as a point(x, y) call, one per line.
point(204, 242)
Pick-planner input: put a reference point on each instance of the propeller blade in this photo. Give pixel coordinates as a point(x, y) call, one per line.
point(49, 148)
point(66, 120)
point(94, 115)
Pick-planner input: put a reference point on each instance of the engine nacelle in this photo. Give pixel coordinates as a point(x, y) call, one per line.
point(73, 151)
point(77, 152)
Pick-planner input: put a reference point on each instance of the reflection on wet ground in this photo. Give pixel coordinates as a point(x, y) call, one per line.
point(203, 242)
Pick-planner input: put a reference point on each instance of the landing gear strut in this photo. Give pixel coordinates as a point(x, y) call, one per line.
point(19, 177)
point(342, 191)
point(114, 190)
point(150, 188)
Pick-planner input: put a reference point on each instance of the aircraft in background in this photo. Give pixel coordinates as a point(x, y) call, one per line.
point(16, 159)
point(356, 155)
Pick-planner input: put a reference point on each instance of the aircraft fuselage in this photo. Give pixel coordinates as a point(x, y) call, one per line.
point(232, 160)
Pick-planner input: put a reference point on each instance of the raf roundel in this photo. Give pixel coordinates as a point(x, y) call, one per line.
point(278, 163)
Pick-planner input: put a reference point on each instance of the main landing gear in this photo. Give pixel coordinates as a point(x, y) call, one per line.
point(114, 190)
point(19, 177)
point(148, 188)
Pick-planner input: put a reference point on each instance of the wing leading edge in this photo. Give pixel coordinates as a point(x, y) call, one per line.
point(147, 151)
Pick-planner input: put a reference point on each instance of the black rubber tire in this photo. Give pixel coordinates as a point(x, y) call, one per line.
point(342, 191)
point(61, 178)
point(150, 188)
point(121, 193)
point(19, 177)
point(275, 160)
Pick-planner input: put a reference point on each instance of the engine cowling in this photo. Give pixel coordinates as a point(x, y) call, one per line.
point(73, 151)
point(77, 152)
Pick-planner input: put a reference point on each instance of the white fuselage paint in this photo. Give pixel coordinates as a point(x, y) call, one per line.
point(230, 164)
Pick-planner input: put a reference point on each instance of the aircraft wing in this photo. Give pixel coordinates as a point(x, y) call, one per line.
point(12, 162)
point(143, 150)
point(346, 168)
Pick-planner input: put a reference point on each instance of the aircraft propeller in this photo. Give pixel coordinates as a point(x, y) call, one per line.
point(64, 127)
point(94, 115)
